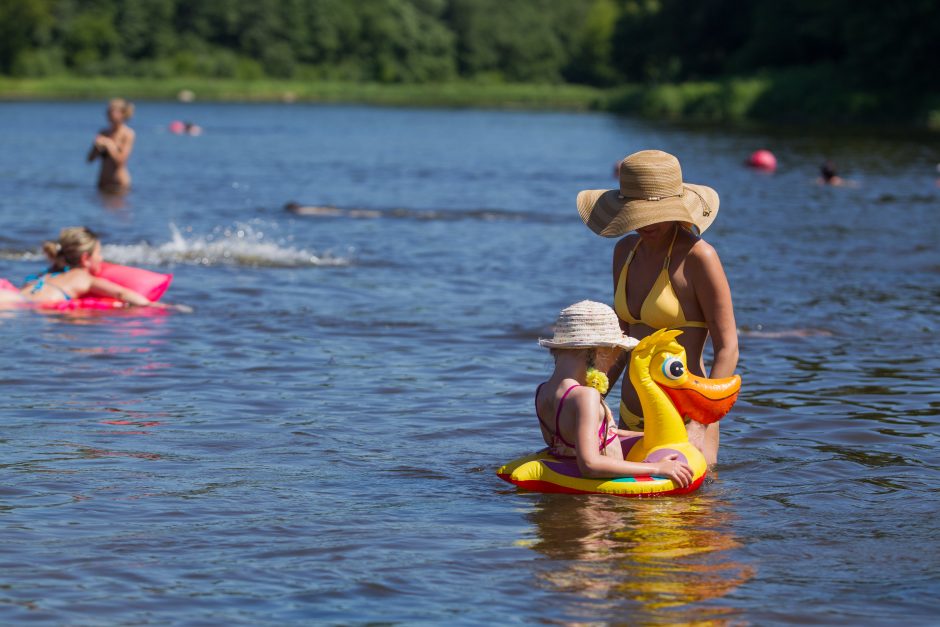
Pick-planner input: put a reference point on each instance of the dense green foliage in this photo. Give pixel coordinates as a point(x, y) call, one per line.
point(869, 55)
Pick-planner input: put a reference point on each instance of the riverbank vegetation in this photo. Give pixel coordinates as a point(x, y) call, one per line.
point(450, 94)
point(706, 59)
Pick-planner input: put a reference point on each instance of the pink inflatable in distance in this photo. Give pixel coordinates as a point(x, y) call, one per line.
point(177, 127)
point(762, 160)
point(149, 284)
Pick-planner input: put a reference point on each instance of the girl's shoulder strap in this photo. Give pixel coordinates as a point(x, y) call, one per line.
point(561, 404)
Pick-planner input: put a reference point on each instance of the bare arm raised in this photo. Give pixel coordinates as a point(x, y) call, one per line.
point(118, 149)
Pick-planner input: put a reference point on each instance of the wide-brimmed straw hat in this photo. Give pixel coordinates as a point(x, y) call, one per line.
point(651, 191)
point(588, 324)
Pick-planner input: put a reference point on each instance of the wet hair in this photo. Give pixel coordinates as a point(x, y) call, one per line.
point(74, 241)
point(828, 171)
point(127, 108)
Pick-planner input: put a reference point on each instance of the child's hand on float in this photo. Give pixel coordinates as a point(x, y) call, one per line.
point(672, 468)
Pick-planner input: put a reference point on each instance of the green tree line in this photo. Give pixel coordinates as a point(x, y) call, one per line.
point(856, 44)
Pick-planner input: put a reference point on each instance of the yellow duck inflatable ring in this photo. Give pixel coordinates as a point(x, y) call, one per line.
point(668, 393)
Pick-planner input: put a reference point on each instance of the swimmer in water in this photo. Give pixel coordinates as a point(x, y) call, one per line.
point(113, 146)
point(828, 176)
point(329, 212)
point(75, 261)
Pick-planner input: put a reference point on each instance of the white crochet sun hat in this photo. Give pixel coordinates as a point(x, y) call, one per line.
point(588, 324)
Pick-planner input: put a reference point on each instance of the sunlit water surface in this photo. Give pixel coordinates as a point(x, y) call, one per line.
point(317, 442)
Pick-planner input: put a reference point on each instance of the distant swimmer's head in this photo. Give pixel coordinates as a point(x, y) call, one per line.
point(77, 247)
point(828, 171)
point(120, 110)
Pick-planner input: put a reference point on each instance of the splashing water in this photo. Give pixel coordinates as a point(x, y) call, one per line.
point(239, 245)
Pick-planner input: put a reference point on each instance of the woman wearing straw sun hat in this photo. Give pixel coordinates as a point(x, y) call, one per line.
point(574, 418)
point(665, 275)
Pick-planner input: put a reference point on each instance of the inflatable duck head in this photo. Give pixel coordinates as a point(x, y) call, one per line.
point(668, 393)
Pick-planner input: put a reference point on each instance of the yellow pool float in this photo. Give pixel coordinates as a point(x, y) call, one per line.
point(668, 393)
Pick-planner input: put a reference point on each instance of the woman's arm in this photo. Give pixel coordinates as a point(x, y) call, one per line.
point(120, 153)
point(621, 251)
point(714, 297)
point(586, 402)
point(620, 365)
point(104, 287)
point(94, 152)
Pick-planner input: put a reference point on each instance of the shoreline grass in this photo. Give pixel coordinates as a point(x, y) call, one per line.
point(455, 94)
point(799, 97)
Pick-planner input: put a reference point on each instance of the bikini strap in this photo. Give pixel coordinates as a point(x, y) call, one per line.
point(544, 424)
point(47, 273)
point(561, 404)
point(40, 280)
point(632, 254)
point(675, 233)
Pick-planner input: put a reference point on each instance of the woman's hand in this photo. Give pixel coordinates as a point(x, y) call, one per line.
point(672, 468)
point(180, 308)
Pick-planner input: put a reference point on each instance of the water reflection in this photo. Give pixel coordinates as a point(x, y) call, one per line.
point(645, 561)
point(83, 451)
point(113, 202)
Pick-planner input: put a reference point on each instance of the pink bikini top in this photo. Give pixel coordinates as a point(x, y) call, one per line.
point(557, 438)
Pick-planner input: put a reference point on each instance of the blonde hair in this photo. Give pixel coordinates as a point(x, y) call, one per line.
point(74, 241)
point(127, 108)
point(590, 354)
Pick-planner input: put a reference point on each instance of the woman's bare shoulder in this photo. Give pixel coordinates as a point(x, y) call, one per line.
point(702, 252)
point(626, 243)
point(703, 261)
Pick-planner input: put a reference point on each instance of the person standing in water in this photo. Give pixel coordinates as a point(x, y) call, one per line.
point(113, 146)
point(664, 274)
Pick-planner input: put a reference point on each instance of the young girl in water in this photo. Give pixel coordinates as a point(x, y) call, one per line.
point(575, 420)
point(75, 260)
point(113, 146)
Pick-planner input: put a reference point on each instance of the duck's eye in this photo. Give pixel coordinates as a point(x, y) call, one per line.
point(673, 368)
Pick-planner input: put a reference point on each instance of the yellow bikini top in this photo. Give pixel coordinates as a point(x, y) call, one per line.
point(661, 308)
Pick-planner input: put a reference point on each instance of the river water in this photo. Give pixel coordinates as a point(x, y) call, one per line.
point(317, 442)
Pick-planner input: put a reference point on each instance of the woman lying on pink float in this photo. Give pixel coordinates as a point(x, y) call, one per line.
point(78, 276)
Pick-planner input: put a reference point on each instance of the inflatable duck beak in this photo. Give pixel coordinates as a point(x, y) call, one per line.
point(704, 400)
